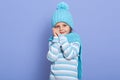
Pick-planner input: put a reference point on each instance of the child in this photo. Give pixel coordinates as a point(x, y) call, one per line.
point(64, 47)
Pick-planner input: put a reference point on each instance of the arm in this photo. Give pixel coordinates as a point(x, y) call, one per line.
point(70, 51)
point(54, 49)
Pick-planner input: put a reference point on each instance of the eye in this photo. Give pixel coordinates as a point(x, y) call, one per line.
point(57, 26)
point(64, 25)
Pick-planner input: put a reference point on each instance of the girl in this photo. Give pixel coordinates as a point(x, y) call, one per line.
point(64, 47)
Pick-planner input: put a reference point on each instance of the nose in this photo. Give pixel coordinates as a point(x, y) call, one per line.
point(61, 28)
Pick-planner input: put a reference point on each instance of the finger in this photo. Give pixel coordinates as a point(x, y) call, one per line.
point(54, 32)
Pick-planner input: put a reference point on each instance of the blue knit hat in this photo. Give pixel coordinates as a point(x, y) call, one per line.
point(62, 14)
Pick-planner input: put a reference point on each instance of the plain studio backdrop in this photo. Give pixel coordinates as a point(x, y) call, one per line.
point(25, 27)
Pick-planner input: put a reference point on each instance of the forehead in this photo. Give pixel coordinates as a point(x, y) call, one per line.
point(60, 23)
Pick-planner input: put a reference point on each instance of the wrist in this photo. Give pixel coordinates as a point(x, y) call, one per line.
point(55, 39)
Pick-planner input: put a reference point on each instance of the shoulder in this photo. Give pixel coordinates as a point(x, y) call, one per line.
point(73, 37)
point(76, 34)
point(75, 43)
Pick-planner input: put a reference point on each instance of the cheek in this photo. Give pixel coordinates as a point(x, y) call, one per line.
point(57, 28)
point(67, 30)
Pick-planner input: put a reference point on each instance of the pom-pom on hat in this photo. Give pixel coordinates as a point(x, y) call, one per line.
point(62, 14)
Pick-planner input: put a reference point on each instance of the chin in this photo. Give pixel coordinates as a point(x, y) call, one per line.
point(64, 33)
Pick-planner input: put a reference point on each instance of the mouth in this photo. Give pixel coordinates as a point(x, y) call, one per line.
point(62, 32)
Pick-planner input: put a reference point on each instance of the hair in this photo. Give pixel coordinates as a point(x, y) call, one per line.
point(71, 29)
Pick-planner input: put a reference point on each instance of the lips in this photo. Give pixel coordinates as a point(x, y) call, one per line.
point(62, 32)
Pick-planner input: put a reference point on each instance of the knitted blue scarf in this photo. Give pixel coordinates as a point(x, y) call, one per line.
point(74, 37)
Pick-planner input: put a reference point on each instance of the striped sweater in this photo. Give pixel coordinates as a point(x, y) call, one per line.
point(64, 58)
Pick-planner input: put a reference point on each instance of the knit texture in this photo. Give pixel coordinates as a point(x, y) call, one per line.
point(64, 59)
point(74, 37)
point(62, 14)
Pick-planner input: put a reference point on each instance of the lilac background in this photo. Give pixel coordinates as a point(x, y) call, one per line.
point(25, 28)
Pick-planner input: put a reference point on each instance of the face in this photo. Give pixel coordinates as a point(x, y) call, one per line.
point(63, 28)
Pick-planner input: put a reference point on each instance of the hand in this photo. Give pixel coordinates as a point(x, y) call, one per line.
point(55, 32)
